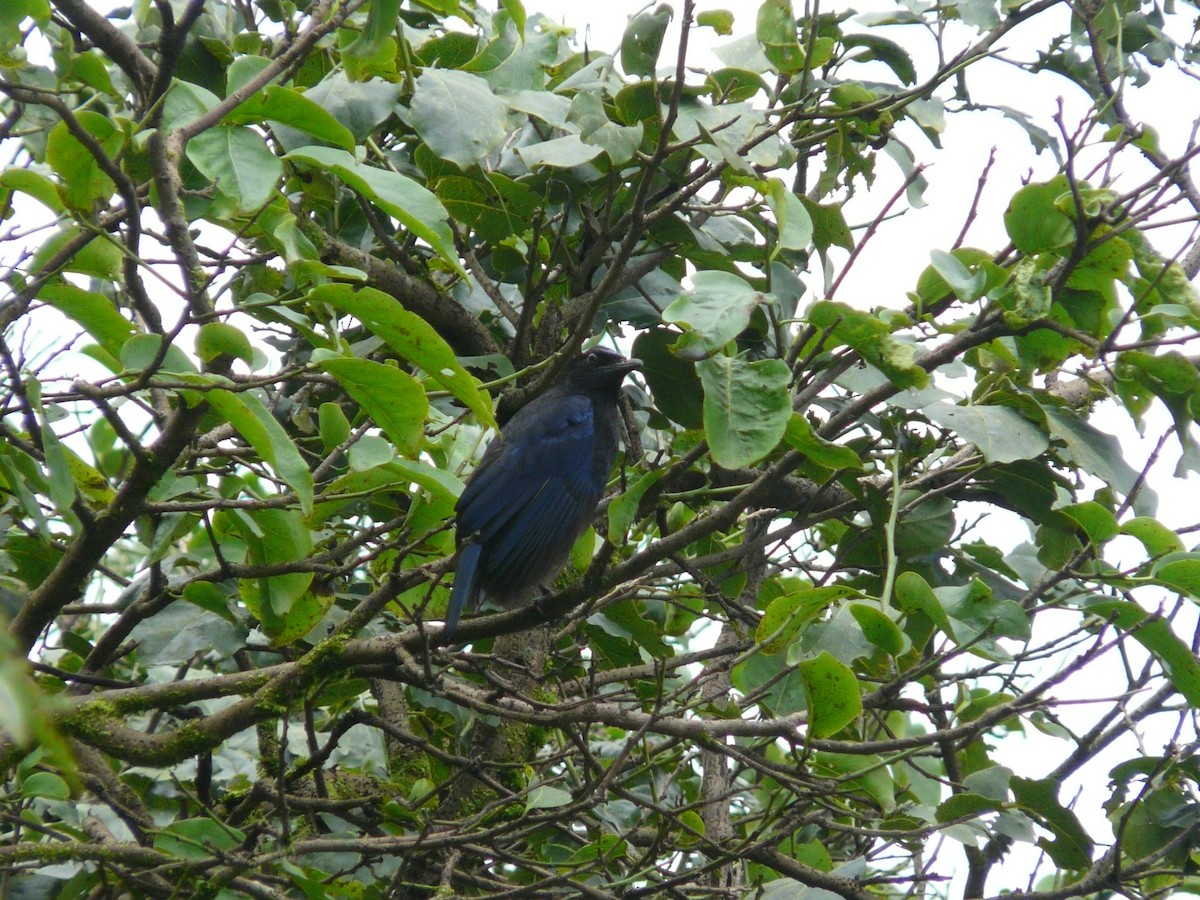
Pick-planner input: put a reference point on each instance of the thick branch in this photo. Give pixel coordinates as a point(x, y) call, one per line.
point(120, 48)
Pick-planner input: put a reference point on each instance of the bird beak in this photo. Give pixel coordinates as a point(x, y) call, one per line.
point(626, 366)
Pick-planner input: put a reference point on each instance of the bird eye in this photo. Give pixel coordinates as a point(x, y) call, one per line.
point(591, 358)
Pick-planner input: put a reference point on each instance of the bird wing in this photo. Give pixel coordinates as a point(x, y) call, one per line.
point(533, 492)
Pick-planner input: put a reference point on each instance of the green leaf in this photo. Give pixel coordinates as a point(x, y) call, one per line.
point(965, 806)
point(1057, 544)
point(1097, 522)
point(610, 651)
point(1154, 633)
point(715, 310)
point(1031, 299)
point(46, 784)
point(1093, 202)
point(829, 225)
point(92, 485)
point(878, 628)
point(32, 182)
point(1179, 572)
point(992, 782)
point(394, 399)
point(643, 40)
point(457, 116)
point(850, 94)
point(641, 630)
point(239, 163)
point(747, 406)
point(399, 475)
point(966, 286)
point(95, 313)
point(543, 796)
point(779, 687)
point(207, 596)
point(14, 12)
point(98, 258)
point(1156, 537)
point(1033, 219)
point(776, 33)
point(294, 109)
point(1070, 847)
point(1155, 820)
point(1098, 454)
point(981, 15)
point(197, 838)
point(1104, 265)
point(26, 711)
point(863, 772)
point(979, 618)
point(559, 153)
point(253, 421)
point(873, 340)
point(926, 527)
point(913, 594)
point(623, 508)
point(283, 603)
point(800, 436)
point(361, 106)
point(240, 72)
point(1000, 432)
point(517, 11)
point(550, 108)
point(332, 425)
point(369, 451)
point(834, 698)
point(976, 266)
point(140, 351)
point(791, 219)
point(58, 470)
point(1161, 283)
point(185, 103)
point(733, 85)
point(31, 559)
point(495, 206)
point(673, 381)
point(437, 481)
point(882, 50)
point(381, 23)
point(618, 142)
point(719, 20)
point(839, 634)
point(522, 65)
point(83, 181)
point(398, 195)
point(413, 338)
point(217, 339)
point(1171, 377)
point(787, 615)
point(176, 634)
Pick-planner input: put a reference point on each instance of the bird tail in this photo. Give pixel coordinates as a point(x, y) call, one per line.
point(463, 593)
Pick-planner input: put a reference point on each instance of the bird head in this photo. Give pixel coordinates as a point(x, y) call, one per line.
point(599, 369)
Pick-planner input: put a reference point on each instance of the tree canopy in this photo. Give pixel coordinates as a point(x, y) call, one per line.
point(877, 604)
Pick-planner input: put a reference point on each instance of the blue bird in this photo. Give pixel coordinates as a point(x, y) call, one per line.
point(537, 487)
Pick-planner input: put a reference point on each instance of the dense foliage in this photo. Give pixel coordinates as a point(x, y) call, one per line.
point(877, 605)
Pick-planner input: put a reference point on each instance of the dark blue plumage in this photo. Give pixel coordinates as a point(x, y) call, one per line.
point(537, 487)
